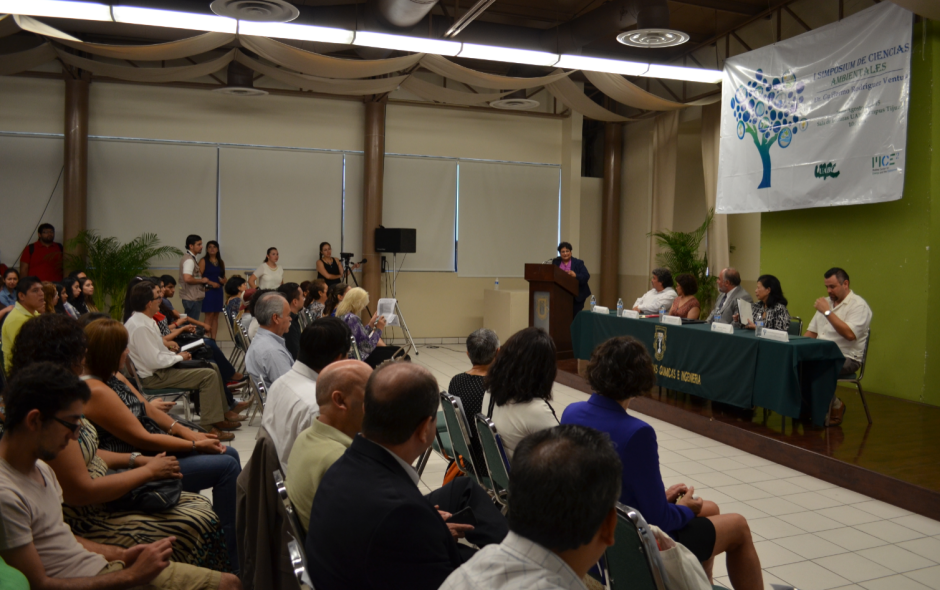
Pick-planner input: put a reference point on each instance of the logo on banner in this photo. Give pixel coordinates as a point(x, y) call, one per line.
point(827, 170)
point(542, 308)
point(885, 163)
point(768, 109)
point(659, 342)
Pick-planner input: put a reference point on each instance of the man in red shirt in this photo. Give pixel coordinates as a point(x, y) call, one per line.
point(43, 258)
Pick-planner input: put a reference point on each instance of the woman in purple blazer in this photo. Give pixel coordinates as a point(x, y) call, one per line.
point(574, 267)
point(621, 369)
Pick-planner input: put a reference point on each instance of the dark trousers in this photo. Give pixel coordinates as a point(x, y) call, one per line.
point(380, 355)
point(578, 306)
point(850, 367)
point(491, 526)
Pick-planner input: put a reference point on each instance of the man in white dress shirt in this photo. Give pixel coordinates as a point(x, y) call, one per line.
point(292, 400)
point(554, 539)
point(660, 296)
point(729, 285)
point(844, 318)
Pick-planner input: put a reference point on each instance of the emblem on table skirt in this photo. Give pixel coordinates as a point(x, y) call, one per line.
point(542, 308)
point(659, 342)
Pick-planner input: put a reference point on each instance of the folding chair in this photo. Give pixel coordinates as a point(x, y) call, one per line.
point(857, 379)
point(354, 349)
point(633, 562)
point(260, 396)
point(236, 350)
point(297, 533)
point(297, 563)
point(497, 462)
point(796, 326)
point(458, 432)
point(169, 394)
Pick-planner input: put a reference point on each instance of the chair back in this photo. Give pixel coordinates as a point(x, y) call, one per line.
point(131, 371)
point(497, 462)
point(259, 389)
point(297, 528)
point(633, 562)
point(459, 436)
point(245, 337)
point(796, 326)
point(298, 564)
point(861, 370)
point(354, 348)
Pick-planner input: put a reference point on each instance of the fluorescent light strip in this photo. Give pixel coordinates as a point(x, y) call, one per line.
point(204, 22)
point(57, 9)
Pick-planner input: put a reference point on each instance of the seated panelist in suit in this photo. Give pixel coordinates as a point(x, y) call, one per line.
point(730, 289)
point(574, 267)
point(370, 527)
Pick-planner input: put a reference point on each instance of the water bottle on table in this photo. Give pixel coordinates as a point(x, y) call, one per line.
point(593, 302)
point(619, 307)
point(662, 312)
point(760, 327)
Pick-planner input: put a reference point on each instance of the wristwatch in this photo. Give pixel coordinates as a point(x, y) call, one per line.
point(134, 456)
point(827, 312)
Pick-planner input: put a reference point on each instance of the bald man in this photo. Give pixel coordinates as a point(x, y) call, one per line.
point(370, 527)
point(340, 392)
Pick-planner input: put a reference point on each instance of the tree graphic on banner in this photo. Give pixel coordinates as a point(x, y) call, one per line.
point(769, 111)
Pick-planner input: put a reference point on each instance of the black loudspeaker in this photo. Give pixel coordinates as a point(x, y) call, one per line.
point(400, 240)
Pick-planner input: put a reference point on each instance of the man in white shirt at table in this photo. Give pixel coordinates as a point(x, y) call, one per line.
point(660, 296)
point(292, 400)
point(844, 318)
point(729, 285)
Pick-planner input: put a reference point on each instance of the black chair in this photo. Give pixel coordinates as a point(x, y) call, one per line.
point(796, 326)
point(633, 563)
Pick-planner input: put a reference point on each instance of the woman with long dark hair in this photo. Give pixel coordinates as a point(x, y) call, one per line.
point(316, 298)
point(519, 386)
point(212, 267)
point(87, 296)
point(269, 275)
point(8, 290)
point(328, 267)
point(771, 306)
point(334, 295)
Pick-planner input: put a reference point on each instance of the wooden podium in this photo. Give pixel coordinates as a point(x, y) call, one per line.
point(551, 304)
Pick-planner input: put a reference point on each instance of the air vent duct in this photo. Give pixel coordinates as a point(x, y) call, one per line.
point(240, 82)
point(515, 104)
point(263, 11)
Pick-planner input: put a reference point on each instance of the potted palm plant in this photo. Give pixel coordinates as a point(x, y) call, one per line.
point(681, 255)
point(111, 264)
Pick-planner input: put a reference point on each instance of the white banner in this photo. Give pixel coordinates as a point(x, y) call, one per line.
point(818, 120)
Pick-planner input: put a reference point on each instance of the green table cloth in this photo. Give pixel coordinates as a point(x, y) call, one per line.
point(738, 369)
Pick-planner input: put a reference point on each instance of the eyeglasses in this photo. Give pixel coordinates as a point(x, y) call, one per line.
point(73, 427)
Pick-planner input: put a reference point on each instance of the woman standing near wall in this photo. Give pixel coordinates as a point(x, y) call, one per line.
point(212, 267)
point(269, 275)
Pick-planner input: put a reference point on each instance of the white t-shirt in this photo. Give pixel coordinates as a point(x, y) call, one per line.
point(189, 265)
point(516, 421)
point(269, 278)
point(32, 513)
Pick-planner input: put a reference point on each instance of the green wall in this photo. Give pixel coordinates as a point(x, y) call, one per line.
point(886, 249)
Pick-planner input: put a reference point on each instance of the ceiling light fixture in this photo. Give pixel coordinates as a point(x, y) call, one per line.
point(267, 11)
point(170, 18)
point(599, 64)
point(683, 73)
point(57, 9)
point(296, 32)
point(519, 56)
point(405, 43)
point(652, 38)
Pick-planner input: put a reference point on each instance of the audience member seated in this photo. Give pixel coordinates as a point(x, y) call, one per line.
point(267, 358)
point(292, 400)
point(370, 527)
point(127, 423)
point(771, 306)
point(83, 468)
point(8, 289)
point(685, 305)
point(369, 340)
point(729, 285)
point(519, 387)
point(660, 297)
point(64, 307)
point(155, 364)
point(29, 304)
point(469, 387)
point(75, 295)
point(235, 290)
point(621, 369)
point(335, 294)
point(50, 296)
point(554, 538)
point(169, 290)
point(316, 298)
point(87, 297)
point(340, 392)
point(269, 275)
point(252, 322)
point(44, 405)
point(295, 298)
point(844, 318)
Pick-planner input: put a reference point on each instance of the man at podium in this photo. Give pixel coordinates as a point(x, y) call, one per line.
point(574, 267)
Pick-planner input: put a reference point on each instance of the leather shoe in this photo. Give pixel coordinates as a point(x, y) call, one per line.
point(836, 414)
point(222, 436)
point(235, 417)
point(241, 407)
point(227, 425)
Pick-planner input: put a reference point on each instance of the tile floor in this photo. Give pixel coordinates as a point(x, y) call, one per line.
point(809, 533)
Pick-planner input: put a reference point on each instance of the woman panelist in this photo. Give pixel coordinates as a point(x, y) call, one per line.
point(574, 267)
point(771, 306)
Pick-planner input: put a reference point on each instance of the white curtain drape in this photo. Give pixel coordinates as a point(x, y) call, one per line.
point(665, 154)
point(718, 255)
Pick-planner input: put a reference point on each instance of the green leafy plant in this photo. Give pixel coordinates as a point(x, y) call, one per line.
point(681, 255)
point(112, 265)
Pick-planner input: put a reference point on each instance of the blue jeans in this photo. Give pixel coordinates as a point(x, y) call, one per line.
point(192, 308)
point(220, 473)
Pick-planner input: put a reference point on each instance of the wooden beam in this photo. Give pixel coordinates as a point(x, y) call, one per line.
point(723, 5)
point(741, 41)
point(798, 19)
point(213, 76)
point(669, 90)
